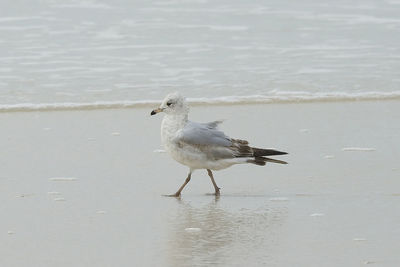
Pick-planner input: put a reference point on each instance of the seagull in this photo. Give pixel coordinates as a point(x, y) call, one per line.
point(202, 145)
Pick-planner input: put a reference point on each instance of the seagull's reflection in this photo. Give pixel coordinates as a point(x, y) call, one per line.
point(217, 232)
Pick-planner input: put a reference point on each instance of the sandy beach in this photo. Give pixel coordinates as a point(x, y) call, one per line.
point(83, 188)
point(83, 170)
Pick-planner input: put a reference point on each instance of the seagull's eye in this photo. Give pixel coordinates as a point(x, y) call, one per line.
point(169, 104)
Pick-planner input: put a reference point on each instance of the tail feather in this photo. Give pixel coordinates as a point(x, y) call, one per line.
point(257, 161)
point(275, 160)
point(261, 161)
point(257, 156)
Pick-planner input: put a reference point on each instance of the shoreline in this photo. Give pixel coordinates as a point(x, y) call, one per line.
point(228, 101)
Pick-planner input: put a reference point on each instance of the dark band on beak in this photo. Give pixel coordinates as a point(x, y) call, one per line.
point(155, 111)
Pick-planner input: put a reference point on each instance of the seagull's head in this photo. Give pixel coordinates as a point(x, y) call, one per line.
point(173, 104)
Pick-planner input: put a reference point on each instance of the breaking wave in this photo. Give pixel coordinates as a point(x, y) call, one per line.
point(272, 97)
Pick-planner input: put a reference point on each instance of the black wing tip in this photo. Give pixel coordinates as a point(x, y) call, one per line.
point(259, 152)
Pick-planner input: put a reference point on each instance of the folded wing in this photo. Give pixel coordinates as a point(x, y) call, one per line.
point(206, 138)
point(203, 134)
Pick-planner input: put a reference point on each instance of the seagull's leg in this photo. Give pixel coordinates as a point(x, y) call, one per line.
point(178, 193)
point(213, 181)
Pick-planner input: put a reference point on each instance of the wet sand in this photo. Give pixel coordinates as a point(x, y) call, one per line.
point(83, 188)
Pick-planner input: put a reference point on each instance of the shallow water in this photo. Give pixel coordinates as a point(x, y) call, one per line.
point(75, 193)
point(53, 51)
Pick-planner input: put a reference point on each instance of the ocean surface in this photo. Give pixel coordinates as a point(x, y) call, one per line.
point(97, 53)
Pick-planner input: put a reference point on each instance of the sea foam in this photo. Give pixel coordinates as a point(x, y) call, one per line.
point(271, 97)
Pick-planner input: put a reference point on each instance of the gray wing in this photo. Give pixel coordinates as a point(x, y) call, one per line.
point(207, 139)
point(203, 134)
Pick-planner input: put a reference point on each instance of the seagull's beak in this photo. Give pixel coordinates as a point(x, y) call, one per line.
point(155, 111)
